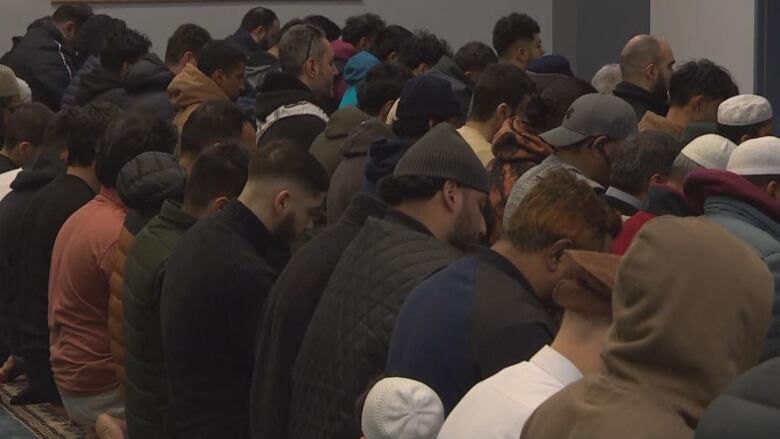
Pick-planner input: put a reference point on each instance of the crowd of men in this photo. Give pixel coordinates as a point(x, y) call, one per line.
point(306, 230)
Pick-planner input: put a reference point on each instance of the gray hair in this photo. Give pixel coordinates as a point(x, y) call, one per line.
point(294, 47)
point(607, 78)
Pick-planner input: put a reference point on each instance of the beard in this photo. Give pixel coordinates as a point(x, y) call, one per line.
point(466, 231)
point(660, 89)
point(285, 233)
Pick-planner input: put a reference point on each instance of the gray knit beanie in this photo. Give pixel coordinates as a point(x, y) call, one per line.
point(442, 153)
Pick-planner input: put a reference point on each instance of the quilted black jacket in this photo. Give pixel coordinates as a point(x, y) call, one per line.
point(347, 342)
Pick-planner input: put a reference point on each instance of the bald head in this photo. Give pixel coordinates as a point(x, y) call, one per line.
point(648, 62)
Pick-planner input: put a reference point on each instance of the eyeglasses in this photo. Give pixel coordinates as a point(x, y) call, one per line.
point(311, 42)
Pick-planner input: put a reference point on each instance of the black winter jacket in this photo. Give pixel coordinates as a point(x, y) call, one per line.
point(100, 85)
point(640, 100)
point(145, 85)
point(72, 90)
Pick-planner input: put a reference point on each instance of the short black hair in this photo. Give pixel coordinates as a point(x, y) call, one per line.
point(283, 30)
point(475, 56)
point(383, 83)
point(361, 26)
point(56, 137)
point(412, 128)
point(214, 121)
point(220, 55)
point(422, 47)
point(220, 171)
point(87, 129)
point(128, 136)
point(91, 39)
point(393, 190)
point(644, 154)
point(283, 159)
point(258, 16)
point(500, 83)
point(558, 97)
point(28, 124)
point(735, 133)
point(186, 38)
point(700, 78)
point(78, 14)
point(331, 29)
point(511, 29)
point(388, 40)
point(123, 46)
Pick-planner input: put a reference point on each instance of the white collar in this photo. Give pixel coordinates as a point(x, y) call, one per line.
point(556, 365)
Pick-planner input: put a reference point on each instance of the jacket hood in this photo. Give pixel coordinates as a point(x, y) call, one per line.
point(358, 66)
point(145, 182)
point(342, 50)
point(280, 89)
point(191, 86)
point(147, 75)
point(343, 121)
point(383, 155)
point(46, 168)
point(360, 138)
point(652, 121)
point(447, 66)
point(704, 183)
point(96, 82)
point(658, 340)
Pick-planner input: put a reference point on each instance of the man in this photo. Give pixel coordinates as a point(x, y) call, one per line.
point(662, 366)
point(645, 160)
point(219, 74)
point(47, 212)
point(696, 90)
point(288, 104)
point(463, 71)
point(257, 33)
point(592, 135)
point(499, 406)
point(745, 117)
point(646, 67)
point(437, 191)
point(216, 282)
point(360, 31)
point(494, 309)
point(123, 48)
point(44, 57)
point(709, 152)
point(23, 140)
point(214, 122)
point(82, 264)
point(386, 43)
point(501, 93)
point(184, 46)
point(516, 40)
point(421, 52)
point(10, 101)
point(746, 204)
point(218, 176)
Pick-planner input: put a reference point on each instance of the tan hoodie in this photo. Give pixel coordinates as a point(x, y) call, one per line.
point(188, 90)
point(691, 308)
point(652, 121)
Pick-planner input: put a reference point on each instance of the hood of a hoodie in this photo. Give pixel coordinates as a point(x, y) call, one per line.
point(381, 159)
point(358, 66)
point(447, 66)
point(281, 89)
point(46, 167)
point(342, 50)
point(343, 121)
point(702, 184)
point(96, 82)
point(652, 121)
point(361, 137)
point(149, 179)
point(191, 86)
point(147, 75)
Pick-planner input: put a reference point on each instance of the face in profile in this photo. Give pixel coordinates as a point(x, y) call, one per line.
point(299, 211)
point(327, 71)
point(232, 81)
point(469, 225)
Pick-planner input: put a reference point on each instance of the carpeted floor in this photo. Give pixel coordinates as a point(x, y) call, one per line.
point(32, 421)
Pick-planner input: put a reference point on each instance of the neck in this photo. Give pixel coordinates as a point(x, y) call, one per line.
point(248, 198)
point(86, 173)
point(679, 116)
point(530, 264)
point(581, 340)
point(10, 155)
point(197, 212)
point(574, 156)
point(487, 128)
point(427, 215)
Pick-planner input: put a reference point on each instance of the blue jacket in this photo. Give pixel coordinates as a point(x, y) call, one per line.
point(355, 71)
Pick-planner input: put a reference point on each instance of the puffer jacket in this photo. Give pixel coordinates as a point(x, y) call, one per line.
point(72, 90)
point(188, 90)
point(347, 341)
point(145, 85)
point(101, 85)
point(144, 184)
point(326, 148)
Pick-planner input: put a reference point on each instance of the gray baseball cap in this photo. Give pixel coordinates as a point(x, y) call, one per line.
point(593, 114)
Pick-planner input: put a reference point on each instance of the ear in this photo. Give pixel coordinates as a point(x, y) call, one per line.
point(554, 255)
point(188, 58)
point(124, 68)
point(471, 75)
point(70, 29)
point(281, 202)
point(651, 71)
point(659, 179)
point(311, 68)
point(218, 204)
point(773, 189)
point(451, 194)
point(393, 57)
point(218, 76)
point(431, 123)
point(503, 112)
point(597, 146)
point(363, 44)
point(697, 102)
point(744, 138)
point(24, 148)
point(386, 110)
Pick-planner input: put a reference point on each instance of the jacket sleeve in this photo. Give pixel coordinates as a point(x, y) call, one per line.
point(302, 130)
point(52, 70)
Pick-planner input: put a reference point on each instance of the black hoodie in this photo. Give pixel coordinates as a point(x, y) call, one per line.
point(101, 84)
point(146, 83)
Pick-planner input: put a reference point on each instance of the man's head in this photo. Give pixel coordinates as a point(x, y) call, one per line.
point(214, 122)
point(758, 161)
point(709, 151)
point(56, 137)
point(745, 117)
point(607, 78)
point(360, 30)
point(91, 39)
point(648, 62)
point(10, 99)
point(473, 58)
point(425, 102)
point(331, 29)
point(387, 41)
point(305, 52)
point(380, 88)
point(69, 19)
point(421, 52)
point(645, 159)
point(699, 87)
point(517, 41)
point(262, 25)
point(442, 182)
point(557, 99)
point(128, 136)
point(86, 131)
point(184, 46)
point(225, 64)
point(122, 49)
point(592, 134)
point(286, 188)
point(26, 132)
point(218, 176)
point(501, 93)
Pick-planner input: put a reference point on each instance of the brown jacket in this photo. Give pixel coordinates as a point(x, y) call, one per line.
point(188, 90)
point(115, 307)
point(652, 121)
point(687, 320)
